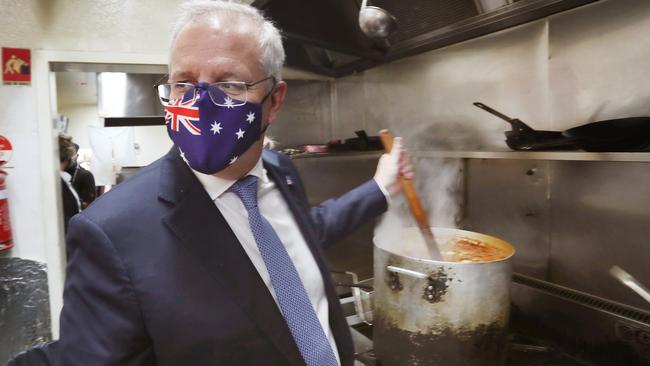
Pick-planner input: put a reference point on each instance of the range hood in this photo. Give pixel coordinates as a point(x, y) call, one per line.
point(128, 99)
point(125, 93)
point(324, 36)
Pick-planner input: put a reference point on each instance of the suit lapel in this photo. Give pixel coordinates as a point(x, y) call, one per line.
point(200, 226)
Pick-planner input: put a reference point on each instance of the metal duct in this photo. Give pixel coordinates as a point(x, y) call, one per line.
point(127, 95)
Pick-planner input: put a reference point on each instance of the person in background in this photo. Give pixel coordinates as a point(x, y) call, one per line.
point(212, 255)
point(69, 197)
point(82, 180)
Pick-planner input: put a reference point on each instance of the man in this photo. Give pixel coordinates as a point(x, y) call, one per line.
point(211, 255)
point(69, 196)
point(82, 180)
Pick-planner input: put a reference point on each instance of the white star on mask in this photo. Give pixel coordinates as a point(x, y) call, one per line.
point(216, 128)
point(240, 134)
point(234, 159)
point(228, 102)
point(250, 117)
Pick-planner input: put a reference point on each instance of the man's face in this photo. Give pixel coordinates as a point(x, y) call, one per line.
point(217, 51)
point(227, 51)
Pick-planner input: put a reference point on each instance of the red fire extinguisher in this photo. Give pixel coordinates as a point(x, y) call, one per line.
point(6, 240)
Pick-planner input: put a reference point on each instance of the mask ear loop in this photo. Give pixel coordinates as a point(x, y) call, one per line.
point(270, 92)
point(263, 131)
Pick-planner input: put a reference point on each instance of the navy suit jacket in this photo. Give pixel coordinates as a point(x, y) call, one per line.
point(157, 277)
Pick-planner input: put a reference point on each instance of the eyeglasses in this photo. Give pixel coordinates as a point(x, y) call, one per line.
point(222, 93)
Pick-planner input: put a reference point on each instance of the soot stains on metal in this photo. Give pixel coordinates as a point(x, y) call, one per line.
point(437, 286)
point(393, 282)
point(483, 346)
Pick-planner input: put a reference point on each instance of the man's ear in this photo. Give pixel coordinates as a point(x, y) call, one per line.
point(276, 100)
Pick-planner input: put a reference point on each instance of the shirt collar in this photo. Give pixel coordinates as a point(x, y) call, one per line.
point(216, 186)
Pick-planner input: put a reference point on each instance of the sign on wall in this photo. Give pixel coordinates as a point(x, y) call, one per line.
point(16, 66)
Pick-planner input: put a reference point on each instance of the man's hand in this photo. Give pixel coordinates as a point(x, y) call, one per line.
point(393, 166)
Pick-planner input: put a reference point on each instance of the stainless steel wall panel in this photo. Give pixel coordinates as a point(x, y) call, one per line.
point(351, 107)
point(598, 62)
point(601, 217)
point(428, 98)
point(306, 116)
point(509, 199)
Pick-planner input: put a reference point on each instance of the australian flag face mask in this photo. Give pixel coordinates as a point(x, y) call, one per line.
point(211, 137)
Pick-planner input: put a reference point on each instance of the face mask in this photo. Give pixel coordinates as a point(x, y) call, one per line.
point(210, 137)
point(72, 164)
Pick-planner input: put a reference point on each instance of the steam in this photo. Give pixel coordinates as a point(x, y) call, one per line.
point(439, 183)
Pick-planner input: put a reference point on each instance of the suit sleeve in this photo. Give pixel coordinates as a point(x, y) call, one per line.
point(101, 323)
point(338, 217)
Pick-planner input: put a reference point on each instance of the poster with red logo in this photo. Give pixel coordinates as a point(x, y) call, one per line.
point(16, 66)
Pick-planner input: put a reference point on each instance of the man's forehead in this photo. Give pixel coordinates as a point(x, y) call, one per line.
point(227, 49)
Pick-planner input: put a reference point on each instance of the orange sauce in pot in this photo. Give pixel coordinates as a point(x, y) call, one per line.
point(469, 250)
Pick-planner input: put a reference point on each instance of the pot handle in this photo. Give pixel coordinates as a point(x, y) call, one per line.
point(407, 272)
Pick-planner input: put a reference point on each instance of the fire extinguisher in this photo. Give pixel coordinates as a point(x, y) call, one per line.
point(6, 240)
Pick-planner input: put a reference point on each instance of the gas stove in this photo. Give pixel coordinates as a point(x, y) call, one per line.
point(551, 325)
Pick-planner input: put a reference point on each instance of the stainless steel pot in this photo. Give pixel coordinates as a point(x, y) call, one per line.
point(440, 313)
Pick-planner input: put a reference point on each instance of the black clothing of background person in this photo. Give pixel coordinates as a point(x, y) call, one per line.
point(83, 182)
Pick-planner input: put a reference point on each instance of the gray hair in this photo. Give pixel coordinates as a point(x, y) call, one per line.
point(269, 38)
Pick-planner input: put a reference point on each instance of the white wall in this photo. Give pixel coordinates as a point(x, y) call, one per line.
point(23, 185)
point(153, 143)
point(80, 117)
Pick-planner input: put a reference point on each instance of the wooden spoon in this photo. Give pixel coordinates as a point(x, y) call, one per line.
point(418, 212)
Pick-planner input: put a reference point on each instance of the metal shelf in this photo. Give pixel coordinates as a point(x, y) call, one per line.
point(346, 154)
point(643, 157)
point(538, 155)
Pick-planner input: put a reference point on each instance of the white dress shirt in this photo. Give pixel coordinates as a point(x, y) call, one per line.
point(275, 209)
point(67, 178)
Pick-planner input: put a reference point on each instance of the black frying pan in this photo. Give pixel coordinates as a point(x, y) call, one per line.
point(622, 134)
point(523, 137)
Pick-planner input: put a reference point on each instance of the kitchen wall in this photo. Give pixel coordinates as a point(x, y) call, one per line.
point(570, 221)
point(575, 67)
point(80, 117)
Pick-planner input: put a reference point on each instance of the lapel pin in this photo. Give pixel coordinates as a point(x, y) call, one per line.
point(289, 181)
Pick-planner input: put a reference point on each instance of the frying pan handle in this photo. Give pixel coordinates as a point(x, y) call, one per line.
point(516, 123)
point(492, 111)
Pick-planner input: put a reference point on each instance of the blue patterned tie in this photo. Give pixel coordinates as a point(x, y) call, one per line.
point(292, 296)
